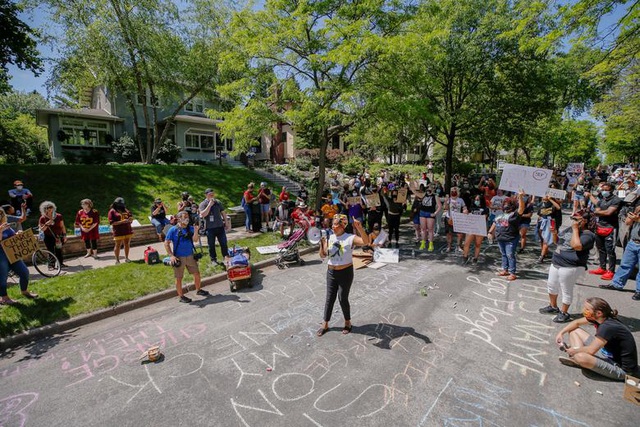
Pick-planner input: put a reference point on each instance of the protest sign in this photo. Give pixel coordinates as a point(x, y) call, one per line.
point(373, 200)
point(20, 246)
point(386, 255)
point(354, 200)
point(469, 224)
point(556, 194)
point(401, 198)
point(575, 168)
point(532, 180)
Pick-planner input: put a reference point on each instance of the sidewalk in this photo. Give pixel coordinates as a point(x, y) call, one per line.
point(107, 259)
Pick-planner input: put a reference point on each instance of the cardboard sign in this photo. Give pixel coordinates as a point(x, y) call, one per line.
point(532, 180)
point(263, 250)
point(20, 246)
point(556, 194)
point(386, 255)
point(373, 200)
point(354, 200)
point(632, 389)
point(469, 224)
point(401, 198)
point(381, 239)
point(575, 168)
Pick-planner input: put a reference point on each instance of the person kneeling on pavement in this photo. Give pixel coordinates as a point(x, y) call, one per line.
point(568, 263)
point(612, 352)
point(181, 236)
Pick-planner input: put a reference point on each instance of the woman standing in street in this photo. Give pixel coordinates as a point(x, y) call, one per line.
point(339, 249)
point(52, 226)
point(120, 219)
point(506, 232)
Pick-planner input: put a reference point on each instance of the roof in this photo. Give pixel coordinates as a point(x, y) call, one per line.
point(85, 113)
point(195, 119)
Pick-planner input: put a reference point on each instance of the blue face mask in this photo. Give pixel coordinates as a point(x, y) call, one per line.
point(605, 194)
point(476, 202)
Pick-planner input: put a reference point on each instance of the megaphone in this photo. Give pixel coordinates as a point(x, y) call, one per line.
point(314, 234)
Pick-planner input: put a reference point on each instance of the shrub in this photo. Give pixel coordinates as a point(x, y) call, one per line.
point(169, 152)
point(125, 149)
point(352, 165)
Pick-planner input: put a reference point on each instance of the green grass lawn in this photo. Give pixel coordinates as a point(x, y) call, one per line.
point(66, 185)
point(66, 296)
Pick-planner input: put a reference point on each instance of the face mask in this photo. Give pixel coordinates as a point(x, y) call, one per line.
point(454, 194)
point(605, 194)
point(429, 191)
point(19, 187)
point(477, 203)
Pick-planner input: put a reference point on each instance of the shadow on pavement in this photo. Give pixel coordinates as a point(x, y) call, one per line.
point(386, 333)
point(216, 299)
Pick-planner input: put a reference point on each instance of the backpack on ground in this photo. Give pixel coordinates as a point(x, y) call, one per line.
point(151, 256)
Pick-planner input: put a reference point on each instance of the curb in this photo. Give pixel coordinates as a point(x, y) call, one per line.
point(84, 319)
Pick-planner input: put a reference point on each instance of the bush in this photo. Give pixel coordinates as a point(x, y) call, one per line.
point(352, 165)
point(169, 152)
point(125, 149)
point(303, 164)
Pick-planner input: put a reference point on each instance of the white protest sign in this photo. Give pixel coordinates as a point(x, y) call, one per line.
point(381, 239)
point(263, 250)
point(556, 194)
point(386, 255)
point(575, 168)
point(469, 224)
point(532, 180)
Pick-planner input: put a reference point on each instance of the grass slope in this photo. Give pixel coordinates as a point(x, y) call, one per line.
point(66, 185)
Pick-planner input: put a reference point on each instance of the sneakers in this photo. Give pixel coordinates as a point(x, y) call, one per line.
point(430, 246)
point(423, 245)
point(202, 293)
point(521, 250)
point(184, 299)
point(598, 271)
point(474, 261)
point(549, 310)
point(609, 286)
point(636, 296)
point(562, 317)
point(397, 245)
point(540, 260)
point(567, 361)
point(608, 275)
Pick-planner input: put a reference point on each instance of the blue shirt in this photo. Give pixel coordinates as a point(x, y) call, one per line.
point(181, 239)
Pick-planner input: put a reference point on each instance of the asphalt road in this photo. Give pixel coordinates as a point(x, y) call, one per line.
point(473, 352)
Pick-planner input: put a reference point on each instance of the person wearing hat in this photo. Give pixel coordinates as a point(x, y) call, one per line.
point(88, 220)
point(120, 219)
point(21, 198)
point(159, 217)
point(215, 220)
point(568, 263)
point(303, 216)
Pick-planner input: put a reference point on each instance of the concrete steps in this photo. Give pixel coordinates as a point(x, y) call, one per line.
point(279, 181)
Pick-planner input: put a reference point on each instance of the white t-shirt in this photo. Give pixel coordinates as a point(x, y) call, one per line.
point(456, 204)
point(340, 249)
point(496, 205)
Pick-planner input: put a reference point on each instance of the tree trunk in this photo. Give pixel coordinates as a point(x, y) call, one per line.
point(448, 165)
point(324, 143)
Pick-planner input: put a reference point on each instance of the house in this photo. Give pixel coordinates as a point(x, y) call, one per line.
point(90, 131)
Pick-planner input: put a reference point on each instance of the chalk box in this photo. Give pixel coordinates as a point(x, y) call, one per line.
point(632, 389)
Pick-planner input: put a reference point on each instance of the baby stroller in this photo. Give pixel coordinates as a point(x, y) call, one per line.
point(289, 249)
point(239, 268)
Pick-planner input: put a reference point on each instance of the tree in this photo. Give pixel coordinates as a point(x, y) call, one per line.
point(317, 49)
point(17, 44)
point(148, 51)
point(21, 140)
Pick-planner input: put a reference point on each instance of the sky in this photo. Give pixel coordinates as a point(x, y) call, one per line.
point(25, 81)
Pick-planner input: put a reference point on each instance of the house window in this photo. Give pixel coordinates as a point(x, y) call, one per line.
point(196, 105)
point(85, 133)
point(199, 140)
point(335, 142)
point(229, 144)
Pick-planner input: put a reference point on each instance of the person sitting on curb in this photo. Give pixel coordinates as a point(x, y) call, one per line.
point(159, 217)
point(20, 196)
point(612, 352)
point(181, 236)
point(630, 257)
point(567, 265)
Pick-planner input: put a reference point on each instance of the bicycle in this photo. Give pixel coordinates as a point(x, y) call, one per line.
point(45, 262)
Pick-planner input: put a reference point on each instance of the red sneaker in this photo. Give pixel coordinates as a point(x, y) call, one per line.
point(607, 275)
point(598, 271)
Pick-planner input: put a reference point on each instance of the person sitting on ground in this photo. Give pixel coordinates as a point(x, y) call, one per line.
point(18, 267)
point(15, 221)
point(179, 246)
point(52, 226)
point(568, 263)
point(378, 238)
point(88, 220)
point(612, 352)
point(303, 216)
point(20, 195)
point(159, 217)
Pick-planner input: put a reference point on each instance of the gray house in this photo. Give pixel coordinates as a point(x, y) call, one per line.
point(90, 131)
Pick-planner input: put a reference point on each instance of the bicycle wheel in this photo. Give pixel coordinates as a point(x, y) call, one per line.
point(46, 263)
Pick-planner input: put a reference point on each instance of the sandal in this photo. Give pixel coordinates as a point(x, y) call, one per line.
point(30, 295)
point(347, 330)
point(322, 331)
point(511, 277)
point(502, 273)
point(8, 302)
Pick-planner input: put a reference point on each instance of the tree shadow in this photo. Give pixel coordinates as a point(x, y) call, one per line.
point(386, 333)
point(216, 299)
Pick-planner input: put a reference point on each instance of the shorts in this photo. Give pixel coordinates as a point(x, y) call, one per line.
point(185, 261)
point(578, 197)
point(426, 214)
point(525, 225)
point(605, 365)
point(416, 219)
point(122, 238)
point(265, 207)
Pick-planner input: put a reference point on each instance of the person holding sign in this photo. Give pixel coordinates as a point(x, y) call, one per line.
point(479, 208)
point(453, 204)
point(339, 250)
point(505, 230)
point(18, 267)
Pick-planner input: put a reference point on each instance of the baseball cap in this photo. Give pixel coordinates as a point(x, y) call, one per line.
point(208, 190)
point(119, 200)
point(17, 182)
point(158, 200)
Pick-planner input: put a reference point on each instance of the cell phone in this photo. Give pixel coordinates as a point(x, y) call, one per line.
point(12, 224)
point(564, 346)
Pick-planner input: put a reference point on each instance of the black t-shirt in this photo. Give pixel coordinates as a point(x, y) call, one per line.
point(161, 216)
point(604, 204)
point(547, 210)
point(303, 194)
point(507, 226)
point(620, 344)
point(528, 209)
point(477, 210)
point(429, 203)
point(566, 256)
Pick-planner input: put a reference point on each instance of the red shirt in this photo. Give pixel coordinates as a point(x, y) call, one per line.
point(248, 196)
point(120, 229)
point(86, 220)
point(56, 229)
